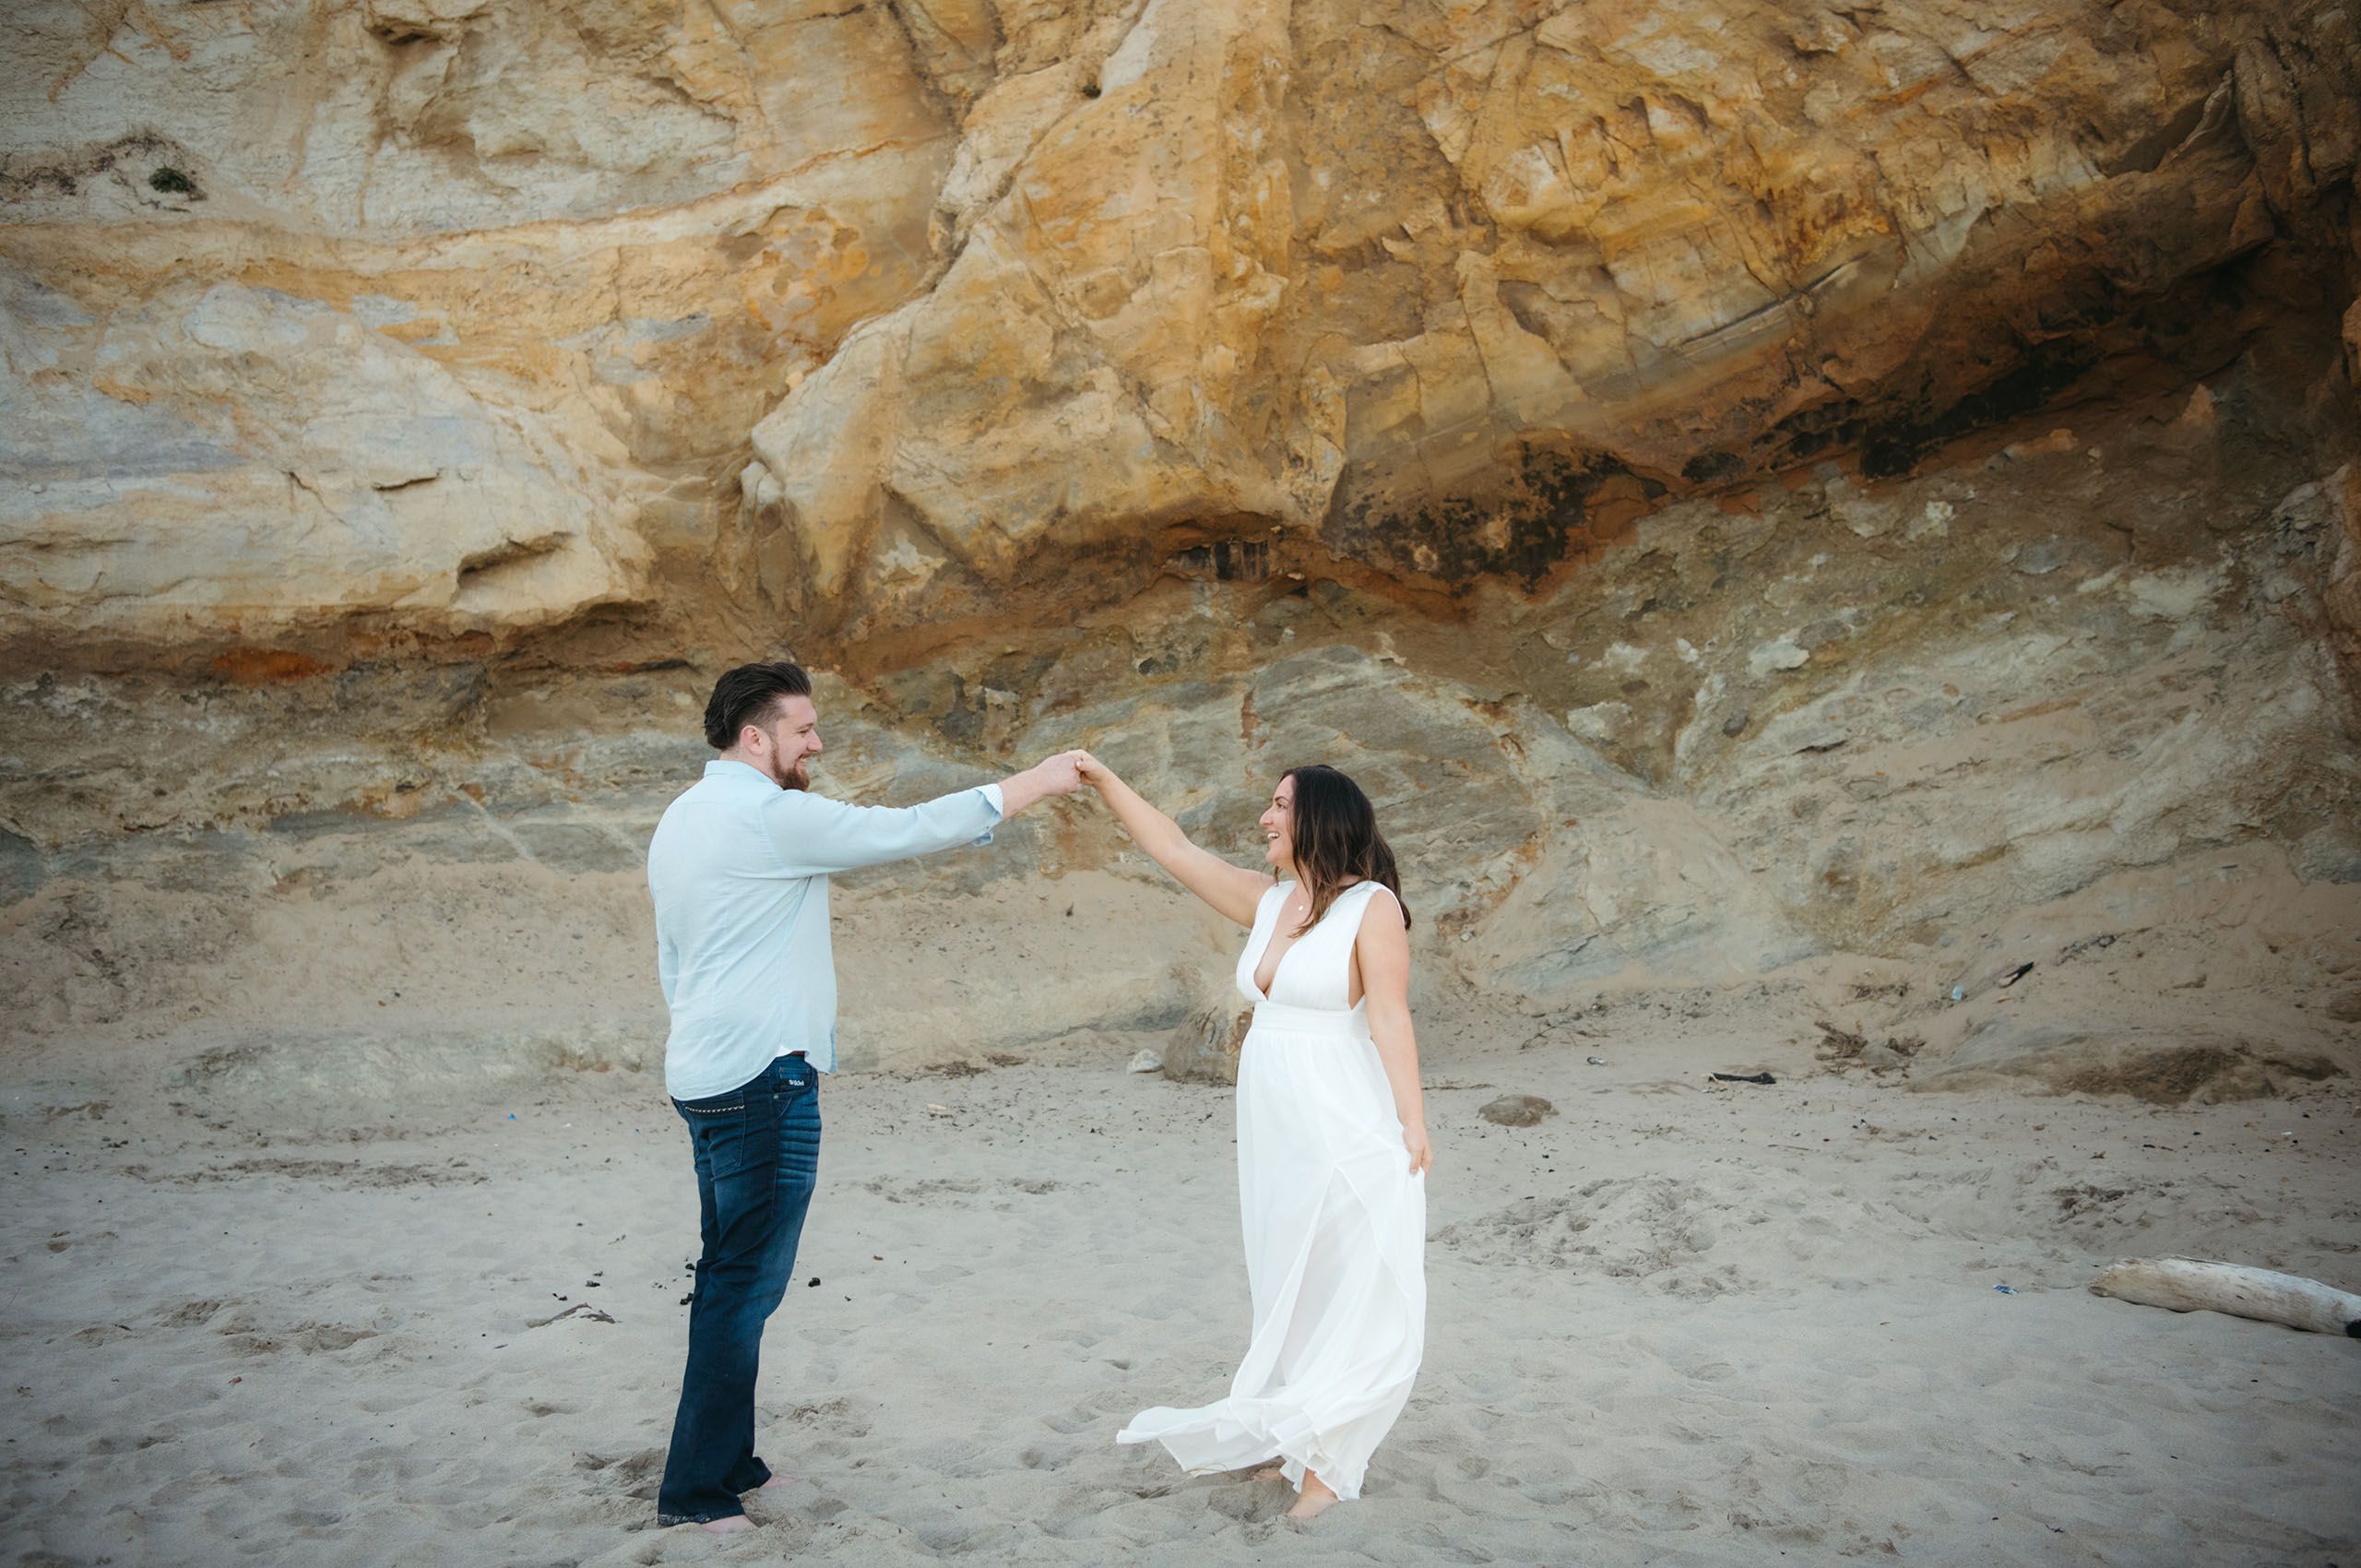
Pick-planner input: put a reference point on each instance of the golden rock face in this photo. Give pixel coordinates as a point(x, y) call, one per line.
point(1743, 485)
point(449, 318)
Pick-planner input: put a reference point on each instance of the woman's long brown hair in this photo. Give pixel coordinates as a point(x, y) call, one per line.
point(1336, 838)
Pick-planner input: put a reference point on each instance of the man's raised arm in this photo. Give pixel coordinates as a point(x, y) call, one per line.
point(815, 836)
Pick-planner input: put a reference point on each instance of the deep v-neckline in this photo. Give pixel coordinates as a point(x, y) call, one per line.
point(1263, 989)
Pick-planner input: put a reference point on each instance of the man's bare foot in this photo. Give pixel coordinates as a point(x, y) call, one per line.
point(1315, 1500)
point(776, 1481)
point(730, 1527)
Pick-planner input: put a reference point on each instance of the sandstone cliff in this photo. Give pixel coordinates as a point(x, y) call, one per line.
point(1743, 484)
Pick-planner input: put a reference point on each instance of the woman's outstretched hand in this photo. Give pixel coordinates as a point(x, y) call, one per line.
point(1094, 773)
point(1415, 1140)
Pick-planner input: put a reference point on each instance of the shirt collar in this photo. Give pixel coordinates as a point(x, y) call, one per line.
point(729, 767)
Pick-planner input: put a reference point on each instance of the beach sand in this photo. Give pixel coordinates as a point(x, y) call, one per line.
point(1680, 1322)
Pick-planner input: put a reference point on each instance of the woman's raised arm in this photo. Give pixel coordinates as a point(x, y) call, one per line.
point(1232, 890)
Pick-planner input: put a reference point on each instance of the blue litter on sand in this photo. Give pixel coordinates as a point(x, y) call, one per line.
point(2006, 1289)
point(512, 1116)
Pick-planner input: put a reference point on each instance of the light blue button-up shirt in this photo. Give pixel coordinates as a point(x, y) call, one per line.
point(739, 868)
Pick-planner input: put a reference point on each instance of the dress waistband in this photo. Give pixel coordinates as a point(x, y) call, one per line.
point(1351, 1024)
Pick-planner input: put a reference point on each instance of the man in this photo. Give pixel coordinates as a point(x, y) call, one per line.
point(739, 868)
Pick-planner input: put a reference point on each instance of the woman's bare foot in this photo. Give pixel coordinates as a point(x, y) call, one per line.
point(730, 1527)
point(1267, 1471)
point(1315, 1500)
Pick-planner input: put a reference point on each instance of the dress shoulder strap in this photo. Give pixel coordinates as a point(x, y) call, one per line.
point(1353, 903)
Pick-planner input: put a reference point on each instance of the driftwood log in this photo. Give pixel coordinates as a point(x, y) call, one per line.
point(2185, 1285)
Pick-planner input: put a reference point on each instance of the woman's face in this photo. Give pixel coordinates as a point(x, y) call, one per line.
point(1279, 827)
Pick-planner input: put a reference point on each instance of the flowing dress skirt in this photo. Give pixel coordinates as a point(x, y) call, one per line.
point(1336, 1239)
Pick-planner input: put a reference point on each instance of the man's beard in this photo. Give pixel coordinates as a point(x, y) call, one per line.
point(797, 777)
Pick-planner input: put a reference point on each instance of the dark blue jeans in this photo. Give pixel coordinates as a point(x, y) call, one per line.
point(757, 1150)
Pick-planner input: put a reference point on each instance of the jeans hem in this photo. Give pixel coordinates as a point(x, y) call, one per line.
point(665, 1521)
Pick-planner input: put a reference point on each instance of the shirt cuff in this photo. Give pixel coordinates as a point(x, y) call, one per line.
point(999, 803)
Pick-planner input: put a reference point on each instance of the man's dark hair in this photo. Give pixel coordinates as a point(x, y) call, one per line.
point(747, 695)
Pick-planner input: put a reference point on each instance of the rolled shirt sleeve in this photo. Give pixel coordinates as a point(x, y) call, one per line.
point(814, 835)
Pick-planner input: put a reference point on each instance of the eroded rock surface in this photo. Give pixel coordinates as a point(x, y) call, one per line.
point(884, 315)
point(1744, 486)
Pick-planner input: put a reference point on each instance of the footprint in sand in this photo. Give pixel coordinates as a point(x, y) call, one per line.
point(1653, 1228)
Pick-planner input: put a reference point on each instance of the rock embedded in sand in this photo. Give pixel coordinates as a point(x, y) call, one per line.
point(2163, 1066)
point(1204, 1048)
point(1516, 1110)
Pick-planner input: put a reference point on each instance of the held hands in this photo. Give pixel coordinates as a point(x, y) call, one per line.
point(1053, 775)
point(1061, 774)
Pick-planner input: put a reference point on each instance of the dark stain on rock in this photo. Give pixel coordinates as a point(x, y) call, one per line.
point(962, 722)
point(1807, 433)
point(23, 868)
point(1892, 447)
point(1713, 467)
point(1543, 509)
point(1227, 560)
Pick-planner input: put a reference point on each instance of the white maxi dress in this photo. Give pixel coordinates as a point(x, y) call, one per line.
point(1335, 1226)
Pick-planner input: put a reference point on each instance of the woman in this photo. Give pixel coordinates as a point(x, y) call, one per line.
point(1332, 1140)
